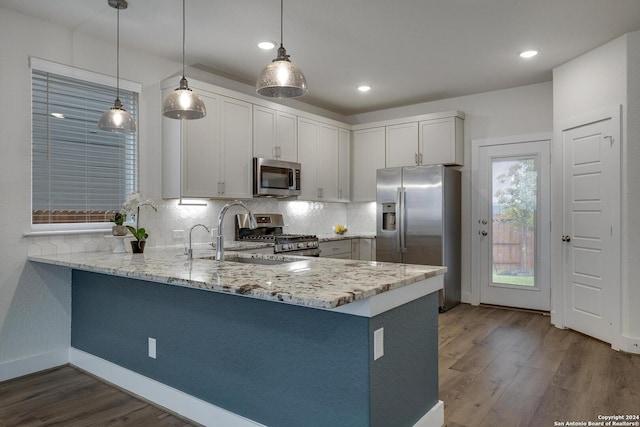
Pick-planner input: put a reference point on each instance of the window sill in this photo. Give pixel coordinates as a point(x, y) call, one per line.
point(66, 232)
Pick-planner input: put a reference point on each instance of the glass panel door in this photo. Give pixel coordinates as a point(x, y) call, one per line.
point(513, 218)
point(514, 225)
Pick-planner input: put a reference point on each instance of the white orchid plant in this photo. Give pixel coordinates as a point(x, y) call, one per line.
point(132, 207)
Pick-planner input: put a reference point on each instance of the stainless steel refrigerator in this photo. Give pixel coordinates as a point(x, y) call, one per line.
point(418, 221)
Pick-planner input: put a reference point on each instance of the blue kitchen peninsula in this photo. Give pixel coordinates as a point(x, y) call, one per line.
point(257, 341)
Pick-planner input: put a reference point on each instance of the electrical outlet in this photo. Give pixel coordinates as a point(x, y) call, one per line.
point(378, 344)
point(152, 348)
point(178, 235)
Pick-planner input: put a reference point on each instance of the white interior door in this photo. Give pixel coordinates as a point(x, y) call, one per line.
point(513, 224)
point(591, 253)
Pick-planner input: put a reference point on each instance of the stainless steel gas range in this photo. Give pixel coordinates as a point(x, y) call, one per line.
point(270, 230)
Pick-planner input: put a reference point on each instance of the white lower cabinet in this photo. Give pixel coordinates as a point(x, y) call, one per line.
point(209, 157)
point(367, 250)
point(363, 249)
point(336, 249)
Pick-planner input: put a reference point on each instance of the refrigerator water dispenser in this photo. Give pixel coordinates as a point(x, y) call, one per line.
point(389, 216)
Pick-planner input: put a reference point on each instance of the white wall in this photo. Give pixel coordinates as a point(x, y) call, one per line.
point(631, 193)
point(608, 76)
point(517, 111)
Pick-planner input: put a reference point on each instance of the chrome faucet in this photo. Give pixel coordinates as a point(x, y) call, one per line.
point(189, 251)
point(219, 239)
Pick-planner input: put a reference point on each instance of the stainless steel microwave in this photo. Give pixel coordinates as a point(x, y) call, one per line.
point(275, 178)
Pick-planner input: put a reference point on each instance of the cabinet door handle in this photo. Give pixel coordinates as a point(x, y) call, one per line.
point(221, 187)
point(274, 152)
point(340, 194)
point(279, 151)
point(420, 155)
point(415, 157)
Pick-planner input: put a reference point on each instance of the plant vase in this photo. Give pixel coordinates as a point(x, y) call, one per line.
point(119, 230)
point(137, 246)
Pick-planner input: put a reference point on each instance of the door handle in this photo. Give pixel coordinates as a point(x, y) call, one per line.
point(566, 238)
point(484, 233)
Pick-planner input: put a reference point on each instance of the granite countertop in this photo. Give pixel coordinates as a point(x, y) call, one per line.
point(306, 281)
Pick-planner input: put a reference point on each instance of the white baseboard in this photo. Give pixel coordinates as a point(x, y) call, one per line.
point(29, 365)
point(175, 400)
point(433, 418)
point(465, 297)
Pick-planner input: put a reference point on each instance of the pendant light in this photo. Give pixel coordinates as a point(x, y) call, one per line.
point(116, 119)
point(183, 103)
point(281, 78)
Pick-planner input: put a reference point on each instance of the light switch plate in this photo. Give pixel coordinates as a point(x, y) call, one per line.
point(152, 348)
point(378, 344)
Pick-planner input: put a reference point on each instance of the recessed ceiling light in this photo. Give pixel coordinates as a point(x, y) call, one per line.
point(364, 88)
point(58, 115)
point(528, 53)
point(266, 45)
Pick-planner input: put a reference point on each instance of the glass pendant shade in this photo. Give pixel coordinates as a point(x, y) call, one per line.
point(116, 119)
point(183, 103)
point(281, 78)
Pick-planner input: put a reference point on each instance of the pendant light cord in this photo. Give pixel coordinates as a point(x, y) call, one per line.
point(118, 52)
point(281, 20)
point(183, 35)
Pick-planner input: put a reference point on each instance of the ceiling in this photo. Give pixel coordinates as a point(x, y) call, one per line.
point(409, 51)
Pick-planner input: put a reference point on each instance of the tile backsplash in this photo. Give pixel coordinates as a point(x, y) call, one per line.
point(171, 224)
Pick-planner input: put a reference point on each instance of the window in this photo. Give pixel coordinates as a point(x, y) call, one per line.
point(79, 174)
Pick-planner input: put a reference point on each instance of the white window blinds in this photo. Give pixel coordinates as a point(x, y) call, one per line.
point(79, 173)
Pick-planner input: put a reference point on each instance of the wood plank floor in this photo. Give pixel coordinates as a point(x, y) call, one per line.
point(68, 397)
point(497, 368)
point(512, 368)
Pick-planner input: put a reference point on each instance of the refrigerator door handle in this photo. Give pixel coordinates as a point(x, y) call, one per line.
point(402, 244)
point(399, 210)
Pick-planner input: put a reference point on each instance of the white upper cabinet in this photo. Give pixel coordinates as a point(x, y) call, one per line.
point(308, 157)
point(327, 162)
point(200, 149)
point(368, 155)
point(209, 157)
point(274, 134)
point(425, 140)
point(442, 141)
point(344, 165)
point(318, 151)
point(402, 145)
point(235, 161)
